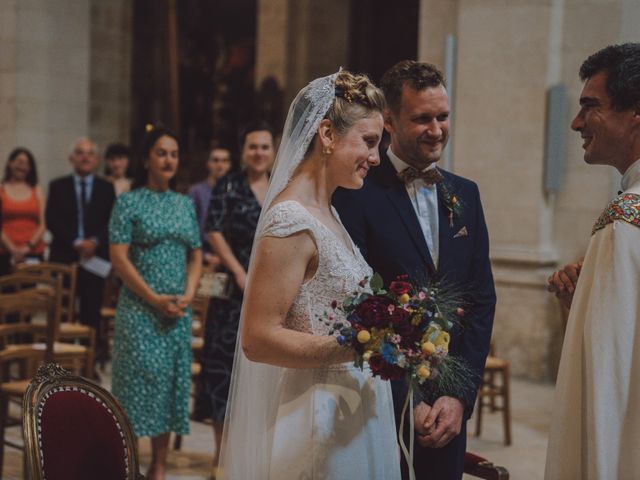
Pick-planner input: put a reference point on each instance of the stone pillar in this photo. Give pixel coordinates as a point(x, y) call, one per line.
point(110, 76)
point(8, 64)
point(438, 19)
point(52, 80)
point(271, 41)
point(299, 40)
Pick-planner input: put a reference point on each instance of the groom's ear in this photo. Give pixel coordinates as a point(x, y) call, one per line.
point(388, 120)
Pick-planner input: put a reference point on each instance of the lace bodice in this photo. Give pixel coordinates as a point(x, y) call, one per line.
point(340, 266)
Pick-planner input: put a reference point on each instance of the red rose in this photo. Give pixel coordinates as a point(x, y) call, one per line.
point(373, 312)
point(383, 369)
point(409, 333)
point(400, 287)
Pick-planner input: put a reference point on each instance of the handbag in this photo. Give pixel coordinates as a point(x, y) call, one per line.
point(216, 285)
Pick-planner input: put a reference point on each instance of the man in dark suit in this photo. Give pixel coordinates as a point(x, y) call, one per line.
point(413, 218)
point(77, 215)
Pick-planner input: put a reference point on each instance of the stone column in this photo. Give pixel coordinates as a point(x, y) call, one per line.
point(51, 71)
point(8, 67)
point(110, 77)
point(299, 40)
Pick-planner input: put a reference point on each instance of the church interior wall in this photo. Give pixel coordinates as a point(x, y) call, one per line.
point(66, 68)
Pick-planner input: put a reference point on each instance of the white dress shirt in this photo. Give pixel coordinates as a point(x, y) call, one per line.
point(424, 199)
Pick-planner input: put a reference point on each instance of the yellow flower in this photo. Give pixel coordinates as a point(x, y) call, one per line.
point(364, 336)
point(377, 336)
point(366, 355)
point(423, 372)
point(428, 348)
point(443, 341)
point(404, 298)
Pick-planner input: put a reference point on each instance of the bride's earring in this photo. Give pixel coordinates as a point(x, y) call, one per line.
point(327, 150)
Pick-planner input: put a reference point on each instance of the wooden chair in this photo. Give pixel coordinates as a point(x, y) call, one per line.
point(76, 430)
point(480, 467)
point(199, 309)
point(75, 355)
point(493, 388)
point(112, 288)
point(19, 356)
point(70, 329)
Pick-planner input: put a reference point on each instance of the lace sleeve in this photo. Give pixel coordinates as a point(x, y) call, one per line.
point(286, 218)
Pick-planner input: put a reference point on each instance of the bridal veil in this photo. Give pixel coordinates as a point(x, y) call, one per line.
point(251, 407)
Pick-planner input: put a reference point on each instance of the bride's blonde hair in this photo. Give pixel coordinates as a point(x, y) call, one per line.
point(356, 98)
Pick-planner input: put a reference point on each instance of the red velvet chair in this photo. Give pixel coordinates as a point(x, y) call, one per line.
point(480, 467)
point(76, 430)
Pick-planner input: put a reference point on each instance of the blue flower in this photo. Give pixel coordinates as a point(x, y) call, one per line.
point(389, 353)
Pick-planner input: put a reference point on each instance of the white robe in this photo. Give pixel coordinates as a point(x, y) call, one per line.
point(595, 428)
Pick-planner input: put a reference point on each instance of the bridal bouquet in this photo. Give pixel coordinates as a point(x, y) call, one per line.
point(403, 332)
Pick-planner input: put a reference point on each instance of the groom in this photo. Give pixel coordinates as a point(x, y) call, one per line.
point(413, 218)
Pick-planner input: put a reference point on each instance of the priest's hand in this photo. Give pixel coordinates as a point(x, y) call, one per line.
point(563, 282)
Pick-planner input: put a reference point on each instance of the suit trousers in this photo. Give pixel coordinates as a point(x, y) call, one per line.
point(446, 463)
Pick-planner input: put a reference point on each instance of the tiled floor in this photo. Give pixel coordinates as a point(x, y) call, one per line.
point(524, 459)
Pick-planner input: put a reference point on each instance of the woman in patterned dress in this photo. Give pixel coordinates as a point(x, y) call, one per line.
point(234, 210)
point(155, 249)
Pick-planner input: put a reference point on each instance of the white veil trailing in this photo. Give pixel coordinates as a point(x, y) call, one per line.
point(253, 394)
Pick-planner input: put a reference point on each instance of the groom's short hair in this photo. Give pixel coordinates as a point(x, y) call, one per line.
point(621, 63)
point(417, 75)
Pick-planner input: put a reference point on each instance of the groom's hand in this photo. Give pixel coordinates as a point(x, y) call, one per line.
point(420, 413)
point(443, 422)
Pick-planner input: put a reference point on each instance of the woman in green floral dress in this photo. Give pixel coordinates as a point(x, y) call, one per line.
point(155, 248)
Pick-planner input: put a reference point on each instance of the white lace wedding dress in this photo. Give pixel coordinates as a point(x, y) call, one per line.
point(335, 422)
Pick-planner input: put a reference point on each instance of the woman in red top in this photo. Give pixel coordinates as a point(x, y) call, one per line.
point(22, 211)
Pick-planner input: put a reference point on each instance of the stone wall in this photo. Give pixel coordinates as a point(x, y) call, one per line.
point(64, 73)
point(509, 53)
point(49, 90)
point(110, 81)
point(299, 40)
point(8, 74)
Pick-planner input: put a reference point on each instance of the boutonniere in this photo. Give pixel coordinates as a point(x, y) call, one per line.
point(452, 202)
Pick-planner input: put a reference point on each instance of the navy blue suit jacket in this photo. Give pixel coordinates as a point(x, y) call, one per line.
point(62, 217)
point(382, 222)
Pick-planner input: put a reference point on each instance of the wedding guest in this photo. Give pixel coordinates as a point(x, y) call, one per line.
point(155, 249)
point(218, 165)
point(22, 203)
point(77, 215)
point(116, 164)
point(596, 419)
point(234, 209)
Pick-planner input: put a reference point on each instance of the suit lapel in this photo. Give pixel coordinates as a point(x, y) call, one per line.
point(72, 199)
point(446, 230)
point(397, 194)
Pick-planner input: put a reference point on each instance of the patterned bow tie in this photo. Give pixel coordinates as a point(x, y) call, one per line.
point(430, 176)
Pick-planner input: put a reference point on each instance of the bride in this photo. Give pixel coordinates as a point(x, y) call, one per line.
point(298, 408)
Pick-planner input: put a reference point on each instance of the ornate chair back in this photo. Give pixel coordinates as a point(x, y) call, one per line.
point(75, 429)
